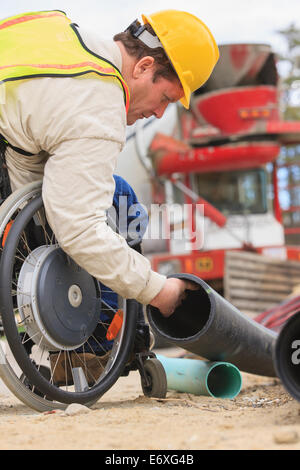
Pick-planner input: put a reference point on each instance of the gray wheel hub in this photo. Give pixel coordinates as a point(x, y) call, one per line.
point(57, 300)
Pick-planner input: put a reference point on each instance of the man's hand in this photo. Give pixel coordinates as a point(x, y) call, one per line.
point(171, 295)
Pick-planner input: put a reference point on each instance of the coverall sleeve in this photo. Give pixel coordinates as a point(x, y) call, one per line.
point(78, 188)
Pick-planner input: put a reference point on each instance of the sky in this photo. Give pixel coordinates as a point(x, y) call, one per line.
point(231, 21)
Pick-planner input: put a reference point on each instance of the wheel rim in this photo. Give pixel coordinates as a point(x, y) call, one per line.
point(19, 340)
point(67, 320)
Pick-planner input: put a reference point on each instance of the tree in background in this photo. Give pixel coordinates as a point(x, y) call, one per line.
point(291, 82)
point(289, 160)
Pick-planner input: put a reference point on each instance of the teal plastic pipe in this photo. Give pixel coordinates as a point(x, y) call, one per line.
point(216, 379)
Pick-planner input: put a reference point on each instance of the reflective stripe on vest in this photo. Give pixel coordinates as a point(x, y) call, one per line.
point(47, 44)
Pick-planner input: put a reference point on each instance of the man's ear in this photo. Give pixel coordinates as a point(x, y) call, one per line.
point(144, 65)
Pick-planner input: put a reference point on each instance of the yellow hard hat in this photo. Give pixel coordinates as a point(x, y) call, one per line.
point(190, 46)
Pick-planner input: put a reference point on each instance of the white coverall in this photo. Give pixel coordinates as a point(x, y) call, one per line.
point(76, 128)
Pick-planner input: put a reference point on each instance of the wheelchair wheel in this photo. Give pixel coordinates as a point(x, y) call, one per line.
point(155, 382)
point(53, 315)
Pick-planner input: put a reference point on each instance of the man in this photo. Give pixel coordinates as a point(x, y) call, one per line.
point(70, 131)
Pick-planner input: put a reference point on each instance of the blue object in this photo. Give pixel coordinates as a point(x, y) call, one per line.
point(216, 379)
point(133, 218)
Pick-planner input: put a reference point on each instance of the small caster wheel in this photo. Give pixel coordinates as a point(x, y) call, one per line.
point(155, 384)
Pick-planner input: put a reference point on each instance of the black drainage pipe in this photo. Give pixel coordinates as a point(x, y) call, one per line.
point(209, 326)
point(287, 355)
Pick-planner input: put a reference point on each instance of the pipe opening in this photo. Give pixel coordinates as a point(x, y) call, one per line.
point(188, 319)
point(287, 356)
point(224, 381)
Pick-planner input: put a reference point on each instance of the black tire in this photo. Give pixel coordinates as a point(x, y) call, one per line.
point(31, 372)
point(156, 378)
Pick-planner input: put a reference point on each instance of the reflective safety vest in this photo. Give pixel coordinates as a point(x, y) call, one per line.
point(47, 44)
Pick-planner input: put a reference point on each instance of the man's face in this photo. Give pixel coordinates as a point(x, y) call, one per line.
point(148, 98)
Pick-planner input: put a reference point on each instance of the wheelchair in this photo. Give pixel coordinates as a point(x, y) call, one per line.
point(50, 307)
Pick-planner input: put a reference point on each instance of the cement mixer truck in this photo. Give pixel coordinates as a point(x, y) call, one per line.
point(218, 157)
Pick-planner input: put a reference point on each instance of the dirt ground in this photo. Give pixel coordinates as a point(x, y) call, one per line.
point(262, 416)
